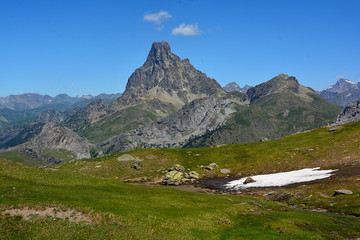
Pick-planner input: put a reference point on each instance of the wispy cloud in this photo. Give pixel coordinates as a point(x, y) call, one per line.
point(186, 30)
point(339, 77)
point(157, 18)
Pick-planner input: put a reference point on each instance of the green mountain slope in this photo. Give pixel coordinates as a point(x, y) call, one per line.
point(278, 107)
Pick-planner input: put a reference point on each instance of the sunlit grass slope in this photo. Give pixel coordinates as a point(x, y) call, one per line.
point(138, 212)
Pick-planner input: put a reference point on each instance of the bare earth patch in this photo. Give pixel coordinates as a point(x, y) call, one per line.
point(68, 214)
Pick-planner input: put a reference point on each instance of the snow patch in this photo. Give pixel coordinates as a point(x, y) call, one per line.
point(348, 81)
point(281, 179)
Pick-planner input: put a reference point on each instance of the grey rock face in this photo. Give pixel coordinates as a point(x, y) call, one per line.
point(93, 112)
point(351, 113)
point(52, 116)
point(166, 77)
point(53, 136)
point(193, 119)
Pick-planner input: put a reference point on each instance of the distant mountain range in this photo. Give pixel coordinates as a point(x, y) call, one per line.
point(28, 101)
point(168, 103)
point(15, 108)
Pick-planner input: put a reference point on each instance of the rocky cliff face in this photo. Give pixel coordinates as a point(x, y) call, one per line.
point(351, 113)
point(55, 137)
point(166, 77)
point(195, 118)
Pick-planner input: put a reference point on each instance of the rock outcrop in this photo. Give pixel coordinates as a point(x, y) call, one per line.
point(55, 137)
point(351, 113)
point(193, 119)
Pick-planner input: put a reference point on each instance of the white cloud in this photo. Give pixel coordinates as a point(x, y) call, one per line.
point(157, 18)
point(339, 77)
point(186, 30)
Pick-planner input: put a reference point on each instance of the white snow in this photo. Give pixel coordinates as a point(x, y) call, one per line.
point(281, 179)
point(348, 81)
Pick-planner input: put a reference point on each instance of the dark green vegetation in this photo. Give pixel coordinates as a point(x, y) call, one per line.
point(125, 211)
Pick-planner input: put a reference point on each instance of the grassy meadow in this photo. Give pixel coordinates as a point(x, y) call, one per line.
point(132, 211)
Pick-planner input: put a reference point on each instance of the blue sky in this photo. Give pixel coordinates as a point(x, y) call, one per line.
point(93, 46)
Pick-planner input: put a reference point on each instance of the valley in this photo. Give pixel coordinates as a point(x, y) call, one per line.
point(145, 209)
point(155, 161)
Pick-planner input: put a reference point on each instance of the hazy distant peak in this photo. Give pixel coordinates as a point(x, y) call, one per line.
point(233, 86)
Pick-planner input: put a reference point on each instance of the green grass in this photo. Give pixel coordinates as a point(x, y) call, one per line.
point(17, 156)
point(165, 213)
point(153, 213)
point(317, 148)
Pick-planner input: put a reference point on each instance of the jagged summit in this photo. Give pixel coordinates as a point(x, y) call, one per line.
point(342, 85)
point(342, 92)
point(166, 77)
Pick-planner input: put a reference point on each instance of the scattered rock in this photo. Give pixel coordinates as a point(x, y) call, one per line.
point(342, 192)
point(177, 167)
point(280, 196)
point(193, 175)
point(249, 180)
point(173, 178)
point(333, 129)
point(212, 166)
point(269, 193)
point(224, 170)
point(136, 165)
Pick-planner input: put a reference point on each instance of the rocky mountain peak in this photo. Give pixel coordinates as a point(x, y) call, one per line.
point(160, 54)
point(278, 84)
point(233, 86)
point(342, 85)
point(164, 76)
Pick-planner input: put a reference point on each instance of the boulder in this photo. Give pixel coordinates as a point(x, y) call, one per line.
point(173, 178)
point(193, 175)
point(136, 165)
point(333, 129)
point(177, 167)
point(249, 180)
point(212, 166)
point(342, 192)
point(225, 171)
